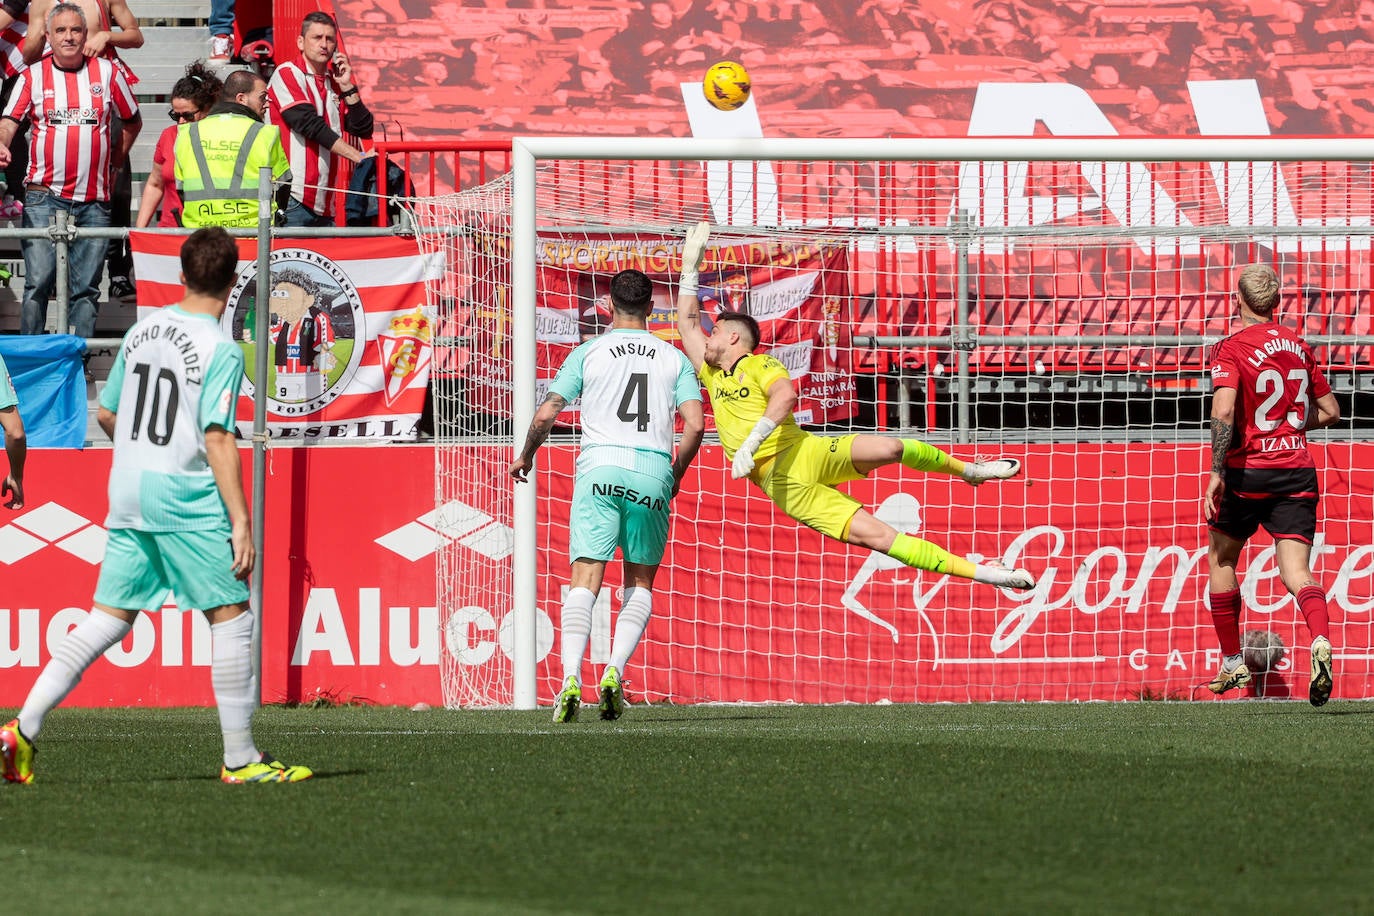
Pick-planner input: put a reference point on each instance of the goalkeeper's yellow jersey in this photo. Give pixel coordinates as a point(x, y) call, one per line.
point(738, 400)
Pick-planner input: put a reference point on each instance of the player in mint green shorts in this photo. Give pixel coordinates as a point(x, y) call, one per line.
point(178, 517)
point(632, 385)
point(140, 567)
point(613, 507)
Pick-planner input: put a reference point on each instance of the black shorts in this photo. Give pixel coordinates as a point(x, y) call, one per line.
point(1284, 501)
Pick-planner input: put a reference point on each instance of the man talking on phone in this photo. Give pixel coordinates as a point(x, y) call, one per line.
point(314, 102)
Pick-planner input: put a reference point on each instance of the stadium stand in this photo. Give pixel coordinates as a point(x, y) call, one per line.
point(174, 35)
point(499, 68)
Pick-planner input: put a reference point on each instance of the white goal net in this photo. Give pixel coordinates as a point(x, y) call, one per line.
point(1057, 309)
point(471, 390)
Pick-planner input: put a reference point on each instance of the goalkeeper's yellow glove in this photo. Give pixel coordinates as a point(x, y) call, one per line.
point(744, 458)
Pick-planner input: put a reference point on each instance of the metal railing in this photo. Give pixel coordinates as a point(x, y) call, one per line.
point(62, 234)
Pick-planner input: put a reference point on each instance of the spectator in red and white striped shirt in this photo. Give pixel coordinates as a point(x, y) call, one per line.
point(111, 27)
point(14, 21)
point(69, 100)
point(314, 101)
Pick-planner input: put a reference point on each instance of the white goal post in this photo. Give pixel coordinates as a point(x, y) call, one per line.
point(1107, 224)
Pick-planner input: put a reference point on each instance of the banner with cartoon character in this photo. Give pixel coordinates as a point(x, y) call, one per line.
point(350, 343)
point(798, 292)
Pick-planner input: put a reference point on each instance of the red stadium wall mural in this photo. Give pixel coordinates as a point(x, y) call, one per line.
point(750, 606)
point(872, 69)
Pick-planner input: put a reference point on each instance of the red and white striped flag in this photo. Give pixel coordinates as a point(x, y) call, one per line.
point(349, 330)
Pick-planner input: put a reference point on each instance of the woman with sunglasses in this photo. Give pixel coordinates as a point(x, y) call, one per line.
point(192, 98)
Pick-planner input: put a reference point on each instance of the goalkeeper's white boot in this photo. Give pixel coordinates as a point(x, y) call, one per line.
point(1320, 684)
point(1003, 577)
point(565, 708)
point(975, 472)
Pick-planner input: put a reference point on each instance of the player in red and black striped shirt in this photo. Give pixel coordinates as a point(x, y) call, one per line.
point(1268, 391)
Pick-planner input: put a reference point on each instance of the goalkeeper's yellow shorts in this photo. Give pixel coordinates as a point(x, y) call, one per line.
point(801, 481)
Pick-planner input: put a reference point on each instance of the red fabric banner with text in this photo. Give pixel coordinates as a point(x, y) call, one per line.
point(800, 295)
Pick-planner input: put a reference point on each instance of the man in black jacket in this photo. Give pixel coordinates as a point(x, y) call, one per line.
point(314, 102)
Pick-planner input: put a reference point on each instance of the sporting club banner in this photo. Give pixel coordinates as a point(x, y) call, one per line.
point(350, 339)
point(798, 293)
point(749, 606)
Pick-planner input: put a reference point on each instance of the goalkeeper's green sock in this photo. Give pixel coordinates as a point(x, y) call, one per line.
point(921, 554)
point(922, 456)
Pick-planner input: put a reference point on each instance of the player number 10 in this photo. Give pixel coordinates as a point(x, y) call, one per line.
point(161, 409)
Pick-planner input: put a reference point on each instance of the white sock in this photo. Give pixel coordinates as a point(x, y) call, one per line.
point(236, 690)
point(575, 630)
point(83, 645)
point(630, 624)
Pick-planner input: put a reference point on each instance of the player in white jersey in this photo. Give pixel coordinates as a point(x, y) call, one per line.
point(632, 385)
point(178, 517)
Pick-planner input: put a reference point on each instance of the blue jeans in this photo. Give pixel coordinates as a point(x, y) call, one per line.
point(85, 259)
point(299, 215)
point(222, 17)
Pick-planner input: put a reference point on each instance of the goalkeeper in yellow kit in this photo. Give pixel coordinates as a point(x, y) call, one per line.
point(752, 397)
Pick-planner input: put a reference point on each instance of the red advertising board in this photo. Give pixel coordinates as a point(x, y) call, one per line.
point(749, 606)
point(343, 614)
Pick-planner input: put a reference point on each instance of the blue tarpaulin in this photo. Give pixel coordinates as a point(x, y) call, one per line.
point(50, 380)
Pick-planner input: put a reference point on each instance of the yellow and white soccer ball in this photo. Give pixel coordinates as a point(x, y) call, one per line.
point(726, 85)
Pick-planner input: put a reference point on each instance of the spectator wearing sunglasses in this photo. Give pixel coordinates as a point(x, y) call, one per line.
point(192, 98)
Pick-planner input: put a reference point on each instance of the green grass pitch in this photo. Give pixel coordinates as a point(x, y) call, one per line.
point(1139, 807)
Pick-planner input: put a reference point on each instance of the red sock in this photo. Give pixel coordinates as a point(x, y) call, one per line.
point(1312, 603)
point(1226, 619)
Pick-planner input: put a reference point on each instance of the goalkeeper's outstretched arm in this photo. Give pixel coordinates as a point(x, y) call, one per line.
point(688, 304)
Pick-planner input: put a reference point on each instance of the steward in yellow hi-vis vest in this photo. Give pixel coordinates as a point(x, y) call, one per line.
point(217, 159)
